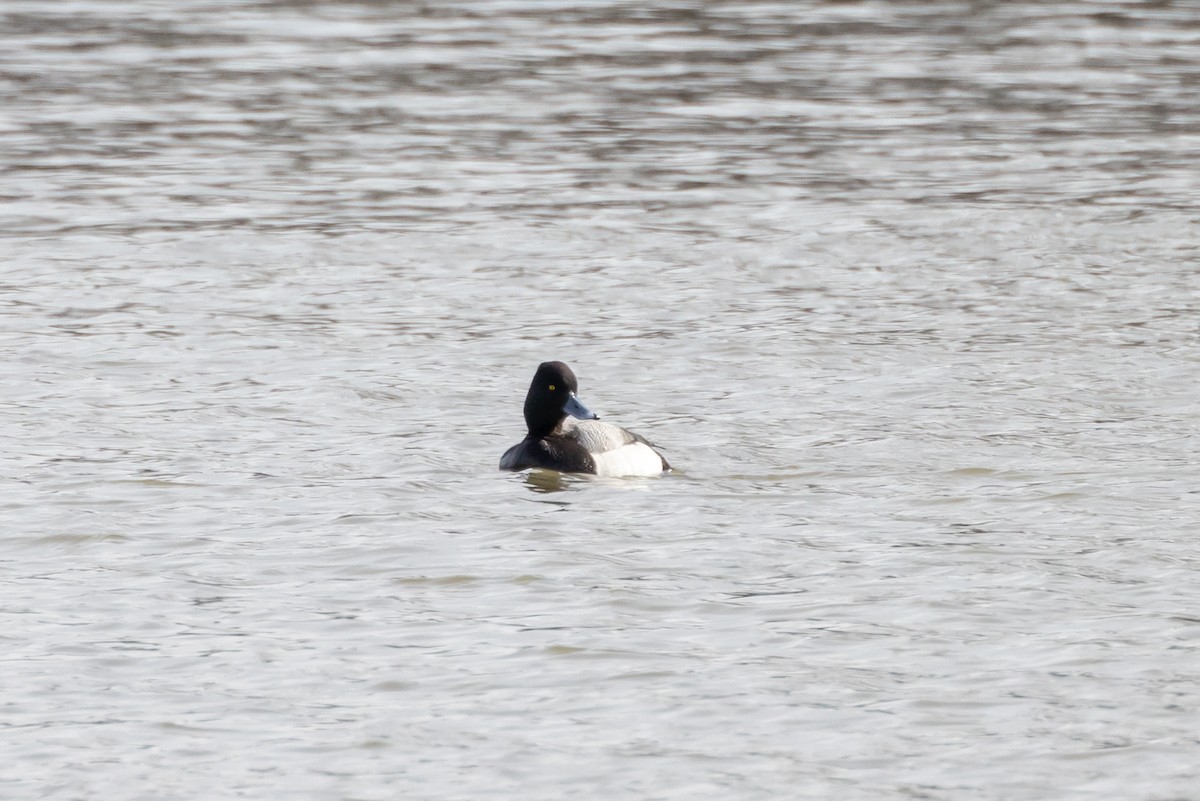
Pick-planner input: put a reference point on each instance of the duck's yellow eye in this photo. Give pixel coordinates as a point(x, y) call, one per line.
point(551, 387)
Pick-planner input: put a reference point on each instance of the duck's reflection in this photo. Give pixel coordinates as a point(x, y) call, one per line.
point(539, 480)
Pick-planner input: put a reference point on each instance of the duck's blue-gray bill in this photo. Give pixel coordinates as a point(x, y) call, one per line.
point(576, 409)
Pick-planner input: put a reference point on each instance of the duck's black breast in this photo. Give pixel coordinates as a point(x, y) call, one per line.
point(553, 452)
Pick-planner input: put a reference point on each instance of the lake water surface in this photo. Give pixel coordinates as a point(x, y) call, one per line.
point(908, 292)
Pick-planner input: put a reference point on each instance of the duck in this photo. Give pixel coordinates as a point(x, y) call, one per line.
point(566, 436)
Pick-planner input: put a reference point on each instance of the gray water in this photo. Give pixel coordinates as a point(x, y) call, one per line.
point(908, 292)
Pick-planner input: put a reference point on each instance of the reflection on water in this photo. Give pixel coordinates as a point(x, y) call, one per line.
point(550, 480)
point(905, 291)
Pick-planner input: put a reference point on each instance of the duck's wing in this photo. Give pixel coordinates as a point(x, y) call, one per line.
point(597, 437)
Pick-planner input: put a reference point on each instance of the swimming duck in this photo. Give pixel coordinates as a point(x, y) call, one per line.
point(580, 445)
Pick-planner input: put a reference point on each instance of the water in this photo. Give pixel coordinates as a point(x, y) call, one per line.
point(906, 291)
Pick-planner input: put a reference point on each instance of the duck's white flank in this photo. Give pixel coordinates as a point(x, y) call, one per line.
point(634, 459)
point(615, 451)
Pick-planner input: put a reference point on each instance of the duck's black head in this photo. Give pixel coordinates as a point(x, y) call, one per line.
point(551, 398)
